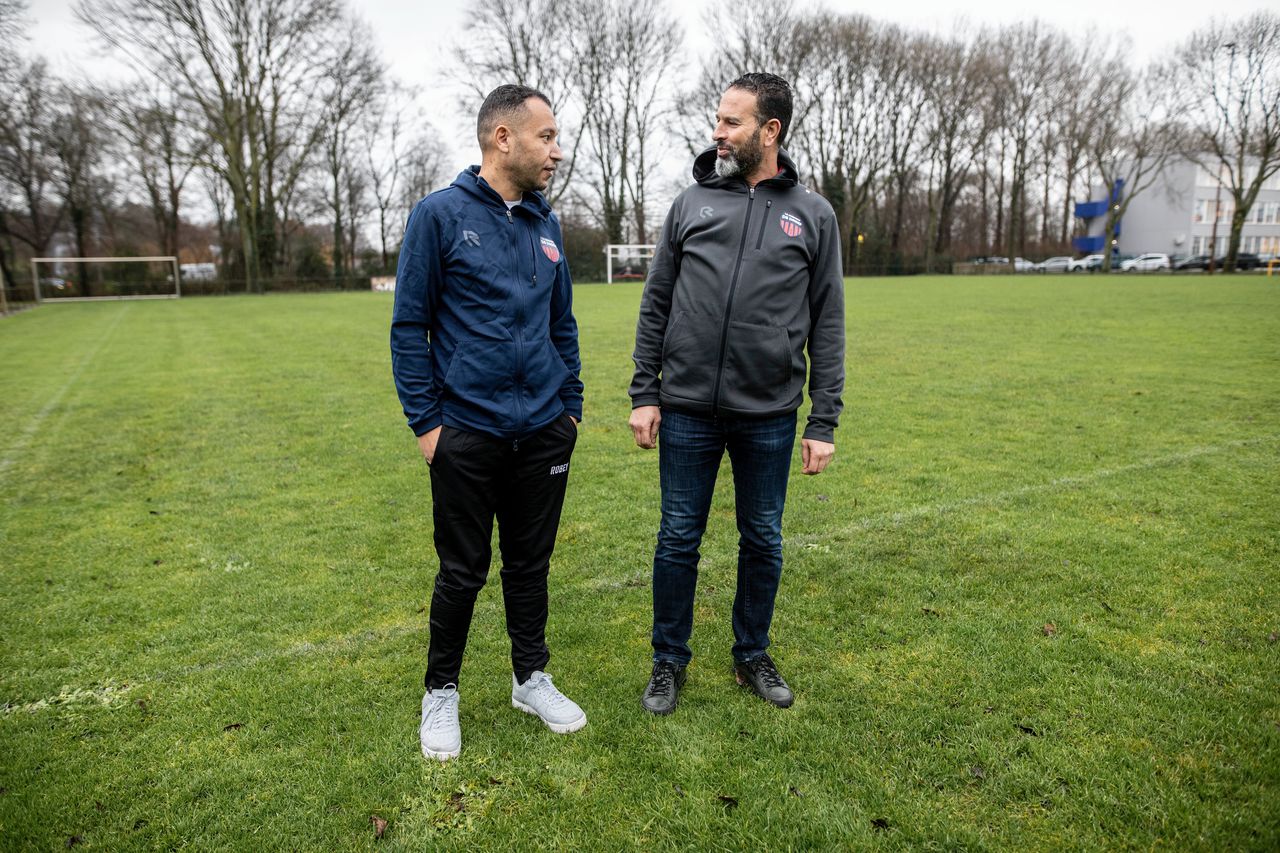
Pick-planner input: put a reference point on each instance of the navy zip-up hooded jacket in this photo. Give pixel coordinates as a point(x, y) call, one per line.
point(482, 335)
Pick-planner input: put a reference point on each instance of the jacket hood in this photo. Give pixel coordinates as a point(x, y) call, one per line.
point(470, 182)
point(704, 172)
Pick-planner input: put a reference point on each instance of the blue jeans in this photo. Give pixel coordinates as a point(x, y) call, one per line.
point(690, 448)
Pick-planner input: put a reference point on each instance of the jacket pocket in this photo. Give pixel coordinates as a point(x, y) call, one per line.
point(482, 374)
point(690, 352)
point(757, 368)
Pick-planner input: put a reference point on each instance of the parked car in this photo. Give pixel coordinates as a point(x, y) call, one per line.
point(1244, 261)
point(1023, 265)
point(1061, 263)
point(1149, 262)
point(1195, 262)
point(1089, 263)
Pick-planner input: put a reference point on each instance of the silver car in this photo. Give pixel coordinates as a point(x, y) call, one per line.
point(1149, 262)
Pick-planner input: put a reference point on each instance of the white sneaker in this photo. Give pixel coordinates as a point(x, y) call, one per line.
point(538, 696)
point(439, 732)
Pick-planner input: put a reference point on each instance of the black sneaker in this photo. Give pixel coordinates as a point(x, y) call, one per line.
point(664, 687)
point(762, 676)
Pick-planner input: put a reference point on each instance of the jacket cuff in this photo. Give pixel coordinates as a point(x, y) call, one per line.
point(818, 432)
point(425, 424)
point(645, 400)
point(573, 408)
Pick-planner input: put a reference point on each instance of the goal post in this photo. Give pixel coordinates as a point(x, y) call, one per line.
point(130, 279)
point(631, 261)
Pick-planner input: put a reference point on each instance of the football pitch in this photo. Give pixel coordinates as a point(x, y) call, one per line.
point(1033, 604)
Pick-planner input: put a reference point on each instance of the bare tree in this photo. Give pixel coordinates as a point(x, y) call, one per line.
point(252, 69)
point(31, 210)
point(625, 51)
point(1229, 74)
point(1030, 63)
point(956, 129)
point(12, 30)
point(1134, 137)
point(526, 42)
point(388, 150)
point(164, 148)
point(78, 144)
point(353, 82)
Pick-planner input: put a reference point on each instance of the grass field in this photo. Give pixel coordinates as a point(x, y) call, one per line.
point(1033, 604)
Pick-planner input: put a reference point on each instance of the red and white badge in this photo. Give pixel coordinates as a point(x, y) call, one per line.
point(549, 249)
point(791, 225)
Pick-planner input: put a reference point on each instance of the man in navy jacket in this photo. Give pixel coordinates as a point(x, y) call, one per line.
point(484, 350)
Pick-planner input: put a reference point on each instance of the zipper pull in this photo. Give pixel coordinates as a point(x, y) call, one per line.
point(509, 219)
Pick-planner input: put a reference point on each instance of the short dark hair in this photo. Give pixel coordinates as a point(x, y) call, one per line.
point(773, 98)
point(504, 102)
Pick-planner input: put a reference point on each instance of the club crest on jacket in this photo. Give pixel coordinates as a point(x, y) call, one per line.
point(791, 225)
point(549, 249)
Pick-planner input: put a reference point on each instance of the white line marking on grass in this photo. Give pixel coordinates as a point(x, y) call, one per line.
point(111, 694)
point(896, 519)
point(33, 426)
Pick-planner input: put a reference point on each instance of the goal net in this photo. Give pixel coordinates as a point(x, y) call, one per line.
point(627, 261)
point(83, 279)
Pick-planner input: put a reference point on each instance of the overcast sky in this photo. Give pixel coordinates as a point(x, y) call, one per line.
point(416, 37)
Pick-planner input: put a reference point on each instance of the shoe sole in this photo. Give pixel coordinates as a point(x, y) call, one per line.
point(742, 682)
point(558, 728)
point(440, 756)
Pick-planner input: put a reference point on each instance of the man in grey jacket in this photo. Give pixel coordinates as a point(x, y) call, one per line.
point(745, 278)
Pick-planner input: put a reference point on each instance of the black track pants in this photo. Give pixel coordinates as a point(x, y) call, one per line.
point(475, 478)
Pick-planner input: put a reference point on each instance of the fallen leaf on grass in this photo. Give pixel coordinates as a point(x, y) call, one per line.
point(231, 727)
point(730, 803)
point(823, 498)
point(978, 772)
point(140, 823)
point(795, 792)
point(679, 790)
point(494, 780)
point(73, 841)
point(457, 801)
point(97, 804)
point(1049, 629)
point(929, 611)
point(1272, 637)
point(1027, 730)
point(379, 826)
point(881, 824)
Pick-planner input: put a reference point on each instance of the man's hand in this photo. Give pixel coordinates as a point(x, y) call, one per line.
point(427, 443)
point(815, 454)
point(644, 425)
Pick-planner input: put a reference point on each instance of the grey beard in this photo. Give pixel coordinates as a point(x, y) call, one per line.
point(728, 167)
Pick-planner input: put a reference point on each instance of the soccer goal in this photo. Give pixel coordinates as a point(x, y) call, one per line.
point(627, 261)
point(84, 279)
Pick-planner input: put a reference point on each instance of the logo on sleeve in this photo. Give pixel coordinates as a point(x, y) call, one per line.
point(471, 237)
point(791, 225)
point(549, 249)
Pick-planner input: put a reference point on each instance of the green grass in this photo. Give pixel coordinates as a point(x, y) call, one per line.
point(215, 555)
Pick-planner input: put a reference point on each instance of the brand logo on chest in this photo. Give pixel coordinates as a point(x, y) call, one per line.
point(549, 249)
point(791, 225)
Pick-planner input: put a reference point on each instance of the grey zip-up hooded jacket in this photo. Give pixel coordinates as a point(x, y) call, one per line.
point(742, 283)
